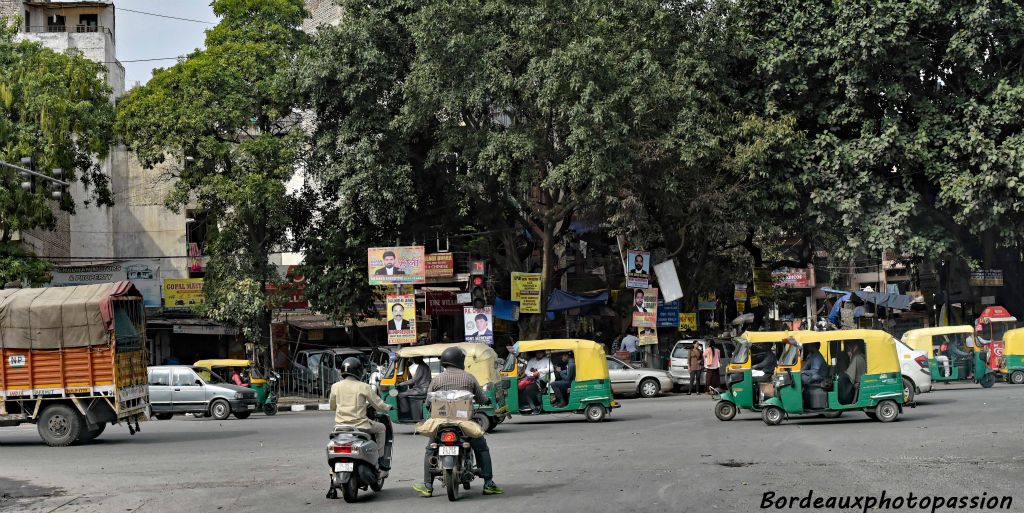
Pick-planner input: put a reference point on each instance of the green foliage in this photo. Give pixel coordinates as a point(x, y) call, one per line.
point(56, 108)
point(19, 266)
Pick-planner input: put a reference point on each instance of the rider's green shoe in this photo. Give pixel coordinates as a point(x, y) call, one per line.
point(492, 489)
point(423, 489)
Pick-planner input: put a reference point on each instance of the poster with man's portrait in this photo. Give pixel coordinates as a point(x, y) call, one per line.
point(645, 308)
point(479, 324)
point(397, 265)
point(401, 319)
point(638, 269)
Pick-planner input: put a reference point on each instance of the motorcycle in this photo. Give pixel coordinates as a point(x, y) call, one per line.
point(452, 459)
point(356, 462)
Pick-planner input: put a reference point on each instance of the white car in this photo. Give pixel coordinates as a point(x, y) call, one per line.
point(917, 378)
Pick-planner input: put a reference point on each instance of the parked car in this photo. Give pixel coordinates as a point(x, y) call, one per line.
point(917, 378)
point(679, 362)
point(179, 389)
point(627, 379)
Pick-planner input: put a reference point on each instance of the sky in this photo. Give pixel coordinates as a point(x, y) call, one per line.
point(142, 36)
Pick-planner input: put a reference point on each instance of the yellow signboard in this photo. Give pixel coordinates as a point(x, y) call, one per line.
point(183, 292)
point(687, 321)
point(526, 290)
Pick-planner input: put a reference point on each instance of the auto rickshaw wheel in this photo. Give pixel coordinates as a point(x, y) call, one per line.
point(595, 412)
point(988, 380)
point(772, 415)
point(1017, 378)
point(887, 411)
point(871, 415)
point(725, 410)
point(832, 414)
point(908, 391)
point(483, 421)
point(270, 409)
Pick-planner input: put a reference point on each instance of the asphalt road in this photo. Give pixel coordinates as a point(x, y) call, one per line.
point(663, 454)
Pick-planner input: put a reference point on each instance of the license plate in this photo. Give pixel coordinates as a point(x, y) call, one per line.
point(251, 406)
point(343, 467)
point(448, 450)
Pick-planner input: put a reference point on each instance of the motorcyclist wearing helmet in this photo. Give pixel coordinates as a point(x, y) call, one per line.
point(350, 397)
point(454, 377)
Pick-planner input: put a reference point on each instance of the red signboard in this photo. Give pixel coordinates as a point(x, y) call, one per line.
point(443, 302)
point(440, 265)
point(792, 278)
point(295, 288)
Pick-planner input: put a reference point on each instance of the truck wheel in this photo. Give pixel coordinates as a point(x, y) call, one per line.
point(988, 380)
point(89, 435)
point(163, 416)
point(725, 410)
point(1017, 378)
point(220, 409)
point(60, 425)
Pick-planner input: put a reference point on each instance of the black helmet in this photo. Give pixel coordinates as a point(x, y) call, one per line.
point(453, 357)
point(351, 366)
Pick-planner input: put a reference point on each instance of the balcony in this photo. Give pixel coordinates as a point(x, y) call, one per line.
point(74, 29)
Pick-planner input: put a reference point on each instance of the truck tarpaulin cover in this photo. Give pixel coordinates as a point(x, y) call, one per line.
point(57, 317)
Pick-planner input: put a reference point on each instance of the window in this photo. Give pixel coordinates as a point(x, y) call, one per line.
point(300, 359)
point(159, 377)
point(196, 227)
point(28, 21)
point(55, 23)
point(681, 351)
point(184, 378)
point(615, 365)
point(88, 22)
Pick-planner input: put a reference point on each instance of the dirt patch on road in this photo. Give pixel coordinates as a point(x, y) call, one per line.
point(13, 491)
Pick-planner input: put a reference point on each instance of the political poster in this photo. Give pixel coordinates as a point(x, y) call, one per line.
point(479, 324)
point(645, 308)
point(762, 281)
point(401, 318)
point(688, 321)
point(439, 266)
point(648, 337)
point(183, 292)
point(638, 265)
point(397, 265)
point(145, 274)
point(668, 314)
point(740, 292)
point(526, 290)
point(707, 301)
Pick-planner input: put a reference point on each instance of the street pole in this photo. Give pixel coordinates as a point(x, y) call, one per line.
point(33, 173)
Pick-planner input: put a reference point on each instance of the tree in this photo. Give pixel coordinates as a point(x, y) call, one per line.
point(18, 266)
point(55, 108)
point(227, 112)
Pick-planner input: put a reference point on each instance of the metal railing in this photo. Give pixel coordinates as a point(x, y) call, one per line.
point(58, 29)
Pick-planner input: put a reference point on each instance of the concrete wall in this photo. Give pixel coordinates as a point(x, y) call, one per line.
point(321, 12)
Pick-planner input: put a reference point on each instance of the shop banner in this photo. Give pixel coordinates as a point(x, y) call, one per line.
point(688, 321)
point(478, 323)
point(740, 292)
point(793, 278)
point(442, 302)
point(526, 290)
point(987, 278)
point(401, 319)
point(398, 265)
point(183, 292)
point(707, 301)
point(440, 266)
point(668, 314)
point(293, 288)
point(645, 308)
point(762, 281)
point(145, 274)
point(638, 265)
point(648, 337)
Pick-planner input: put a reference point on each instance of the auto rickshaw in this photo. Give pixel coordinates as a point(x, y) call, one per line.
point(1011, 365)
point(950, 357)
point(481, 362)
point(878, 391)
point(265, 387)
point(742, 393)
point(590, 393)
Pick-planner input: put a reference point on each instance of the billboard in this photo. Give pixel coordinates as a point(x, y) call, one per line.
point(638, 269)
point(479, 324)
point(645, 308)
point(439, 266)
point(145, 274)
point(648, 337)
point(688, 321)
point(526, 290)
point(668, 314)
point(401, 319)
point(183, 292)
point(396, 265)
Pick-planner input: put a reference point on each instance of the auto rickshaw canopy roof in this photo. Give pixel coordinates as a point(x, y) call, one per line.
point(766, 337)
point(879, 347)
point(225, 362)
point(481, 360)
point(1013, 342)
point(921, 338)
point(590, 357)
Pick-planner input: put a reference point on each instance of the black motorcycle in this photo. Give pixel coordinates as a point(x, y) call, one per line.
point(452, 459)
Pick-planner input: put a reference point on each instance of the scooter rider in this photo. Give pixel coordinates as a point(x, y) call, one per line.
point(454, 377)
point(349, 398)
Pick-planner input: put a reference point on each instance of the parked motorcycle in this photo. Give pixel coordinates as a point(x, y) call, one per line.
point(452, 459)
point(356, 462)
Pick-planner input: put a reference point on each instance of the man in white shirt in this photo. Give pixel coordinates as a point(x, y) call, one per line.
point(629, 344)
point(539, 366)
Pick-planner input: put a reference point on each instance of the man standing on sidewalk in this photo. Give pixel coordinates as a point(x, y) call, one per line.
point(696, 358)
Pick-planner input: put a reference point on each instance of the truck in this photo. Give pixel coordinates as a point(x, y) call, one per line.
point(73, 360)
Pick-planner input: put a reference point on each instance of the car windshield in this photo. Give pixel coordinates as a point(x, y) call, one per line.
point(681, 351)
point(209, 376)
point(790, 355)
point(742, 350)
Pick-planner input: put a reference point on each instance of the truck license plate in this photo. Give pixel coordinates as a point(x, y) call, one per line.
point(343, 467)
point(448, 450)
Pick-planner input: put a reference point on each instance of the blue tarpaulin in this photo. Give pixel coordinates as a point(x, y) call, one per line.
point(505, 309)
point(562, 300)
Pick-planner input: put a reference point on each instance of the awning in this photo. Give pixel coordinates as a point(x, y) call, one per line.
point(885, 300)
point(561, 300)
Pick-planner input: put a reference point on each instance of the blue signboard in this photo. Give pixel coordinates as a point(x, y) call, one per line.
point(668, 314)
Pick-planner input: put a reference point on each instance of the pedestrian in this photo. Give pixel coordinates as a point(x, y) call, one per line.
point(696, 358)
point(629, 345)
point(711, 363)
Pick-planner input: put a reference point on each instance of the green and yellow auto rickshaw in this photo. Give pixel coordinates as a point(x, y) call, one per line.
point(589, 393)
point(743, 390)
point(481, 362)
point(264, 385)
point(953, 355)
point(1011, 364)
point(845, 370)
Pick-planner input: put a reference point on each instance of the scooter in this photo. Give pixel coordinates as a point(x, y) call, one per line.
point(356, 462)
point(452, 459)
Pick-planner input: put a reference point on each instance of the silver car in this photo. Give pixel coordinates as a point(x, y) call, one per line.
point(627, 379)
point(178, 389)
